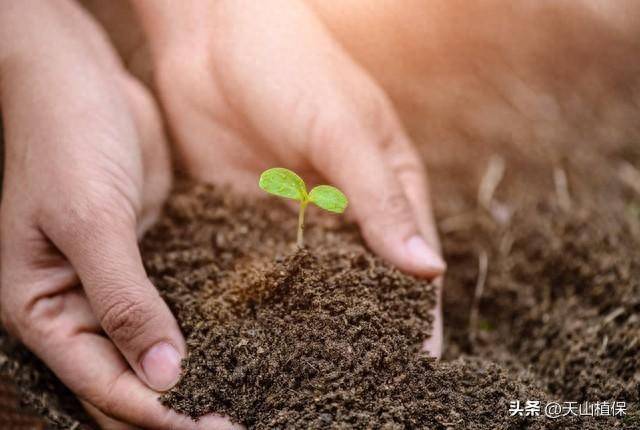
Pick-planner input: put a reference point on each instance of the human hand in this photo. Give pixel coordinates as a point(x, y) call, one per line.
point(249, 85)
point(86, 169)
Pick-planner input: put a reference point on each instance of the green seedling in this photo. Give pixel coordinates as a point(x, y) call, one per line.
point(285, 183)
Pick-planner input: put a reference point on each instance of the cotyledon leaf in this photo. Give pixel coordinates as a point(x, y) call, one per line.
point(329, 198)
point(283, 182)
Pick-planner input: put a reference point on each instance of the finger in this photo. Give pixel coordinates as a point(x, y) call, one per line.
point(103, 249)
point(54, 319)
point(112, 387)
point(405, 161)
point(378, 201)
point(91, 366)
point(103, 420)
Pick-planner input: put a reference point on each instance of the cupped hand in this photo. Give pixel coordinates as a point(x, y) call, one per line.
point(249, 85)
point(86, 169)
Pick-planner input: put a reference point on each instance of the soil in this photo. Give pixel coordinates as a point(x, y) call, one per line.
point(323, 337)
point(329, 337)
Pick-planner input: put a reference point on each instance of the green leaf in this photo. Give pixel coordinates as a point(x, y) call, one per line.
point(284, 183)
point(329, 198)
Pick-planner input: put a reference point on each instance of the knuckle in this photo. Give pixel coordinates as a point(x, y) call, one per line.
point(82, 216)
point(394, 214)
point(327, 125)
point(110, 401)
point(33, 319)
point(85, 217)
point(366, 118)
point(406, 162)
point(396, 208)
point(378, 115)
point(78, 221)
point(40, 319)
point(125, 318)
point(106, 398)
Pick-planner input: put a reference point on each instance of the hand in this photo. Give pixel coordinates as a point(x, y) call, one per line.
point(86, 169)
point(249, 85)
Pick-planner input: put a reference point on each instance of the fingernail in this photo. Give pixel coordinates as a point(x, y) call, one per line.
point(161, 366)
point(424, 256)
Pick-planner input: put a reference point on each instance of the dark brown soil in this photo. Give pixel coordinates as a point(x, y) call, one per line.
point(329, 337)
point(324, 337)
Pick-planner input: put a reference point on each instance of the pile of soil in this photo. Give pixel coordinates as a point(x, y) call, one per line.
point(323, 337)
point(329, 336)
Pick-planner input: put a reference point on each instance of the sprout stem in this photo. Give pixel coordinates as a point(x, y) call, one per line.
point(303, 206)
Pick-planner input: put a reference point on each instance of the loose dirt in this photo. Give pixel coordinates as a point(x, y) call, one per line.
point(329, 337)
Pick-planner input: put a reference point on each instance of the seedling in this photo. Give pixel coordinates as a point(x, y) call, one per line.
point(285, 183)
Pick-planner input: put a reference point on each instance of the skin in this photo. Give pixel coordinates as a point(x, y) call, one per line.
point(87, 168)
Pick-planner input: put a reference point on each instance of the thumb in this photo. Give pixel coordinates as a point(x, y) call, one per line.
point(385, 213)
point(104, 252)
